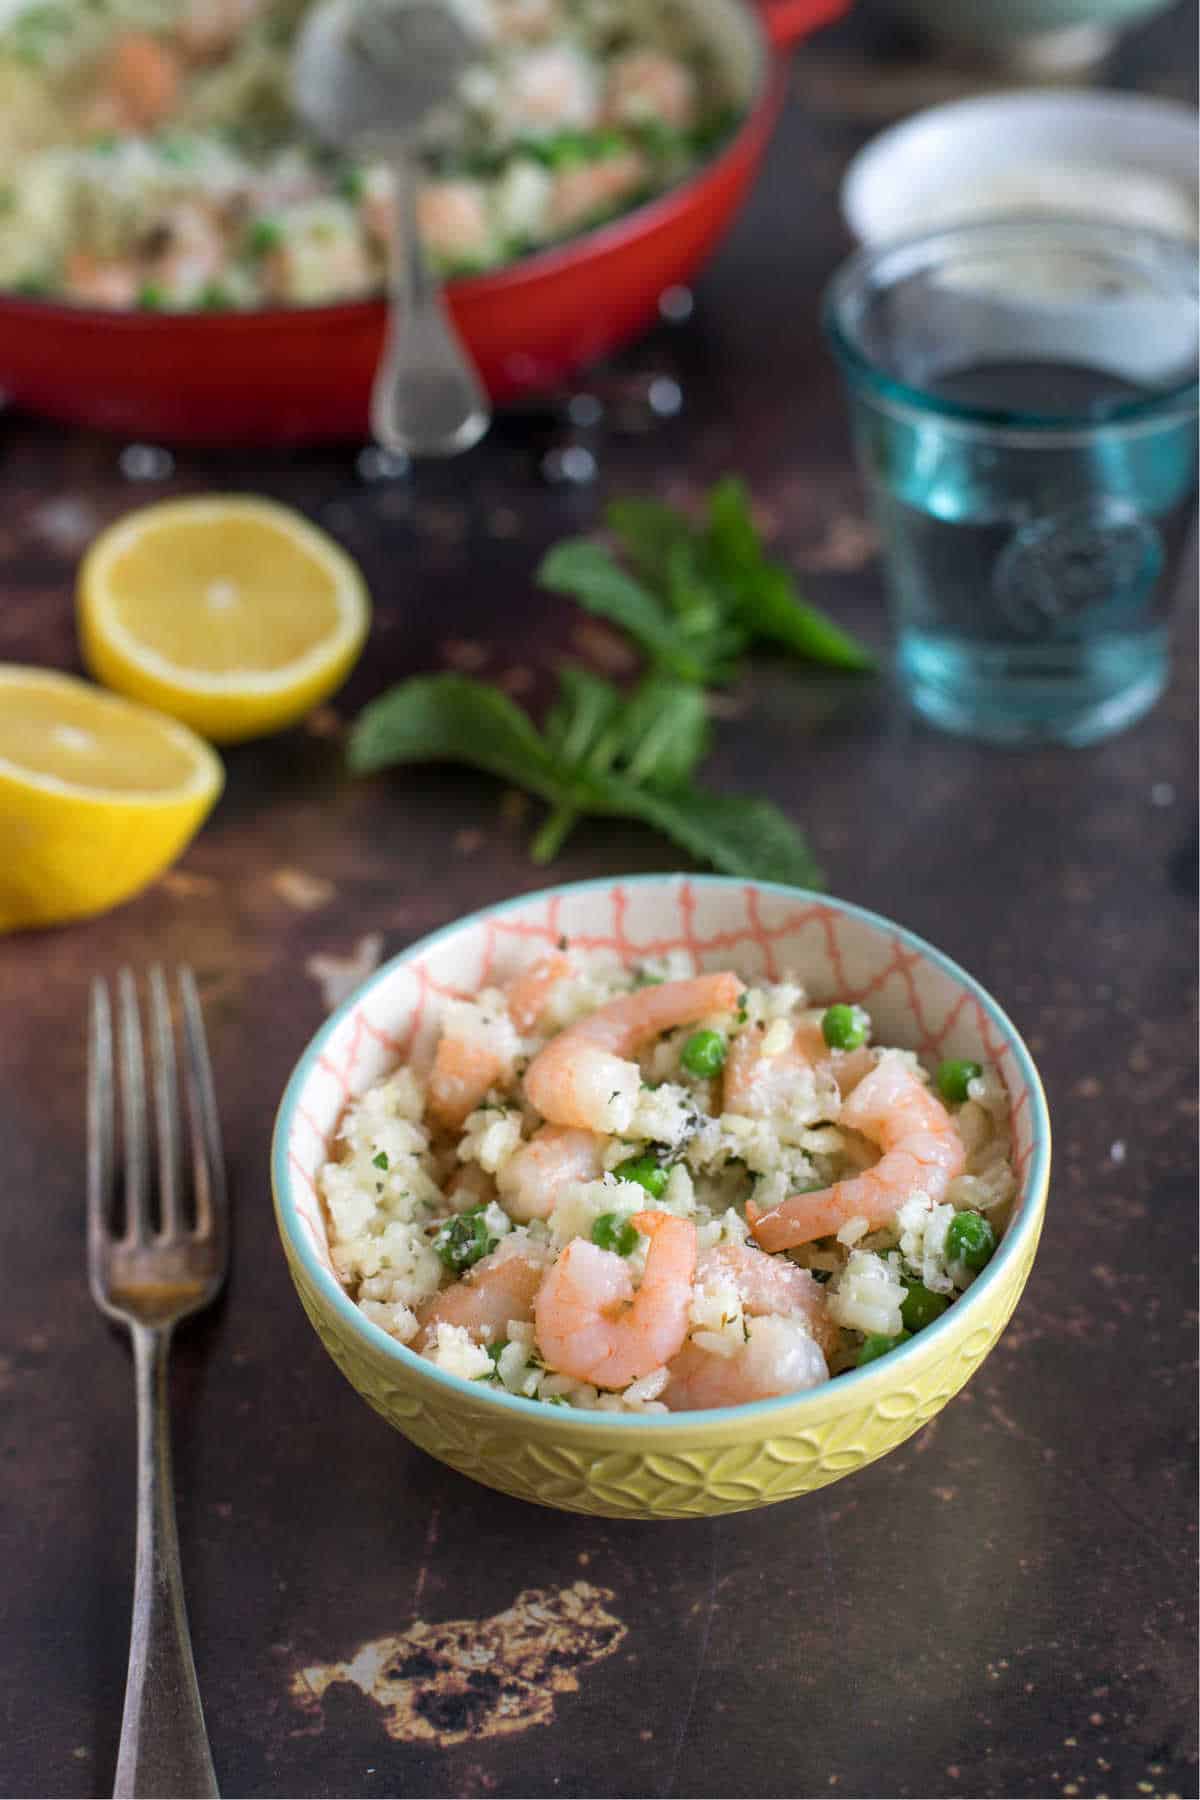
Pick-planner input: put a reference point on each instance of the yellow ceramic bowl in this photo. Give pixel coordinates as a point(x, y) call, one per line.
point(685, 1464)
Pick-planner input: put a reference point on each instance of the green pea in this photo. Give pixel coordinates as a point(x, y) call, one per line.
point(661, 140)
point(704, 1053)
point(970, 1240)
point(151, 297)
point(608, 142)
point(878, 1345)
point(845, 1027)
point(215, 298)
point(264, 236)
point(953, 1076)
point(177, 151)
point(613, 1232)
point(567, 150)
point(920, 1307)
point(646, 1172)
point(462, 1241)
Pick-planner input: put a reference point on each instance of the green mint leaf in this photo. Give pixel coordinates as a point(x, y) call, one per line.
point(736, 834)
point(583, 732)
point(704, 611)
point(664, 732)
point(732, 535)
point(764, 593)
point(670, 554)
point(580, 725)
point(648, 531)
point(656, 736)
point(772, 609)
point(450, 718)
point(589, 575)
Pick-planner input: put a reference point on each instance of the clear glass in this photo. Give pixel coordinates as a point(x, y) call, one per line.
point(1024, 398)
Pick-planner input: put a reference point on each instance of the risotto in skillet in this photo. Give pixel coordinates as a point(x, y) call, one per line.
point(659, 1190)
point(149, 158)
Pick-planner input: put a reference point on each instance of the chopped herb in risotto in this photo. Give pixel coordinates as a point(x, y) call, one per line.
point(652, 1190)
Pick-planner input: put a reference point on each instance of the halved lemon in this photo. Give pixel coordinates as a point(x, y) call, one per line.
point(97, 796)
point(233, 614)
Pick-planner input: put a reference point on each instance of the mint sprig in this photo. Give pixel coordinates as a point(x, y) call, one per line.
point(695, 597)
point(600, 753)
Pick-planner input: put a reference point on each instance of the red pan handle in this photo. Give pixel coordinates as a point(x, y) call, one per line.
point(787, 21)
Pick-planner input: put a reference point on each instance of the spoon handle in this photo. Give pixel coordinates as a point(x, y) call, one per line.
point(427, 399)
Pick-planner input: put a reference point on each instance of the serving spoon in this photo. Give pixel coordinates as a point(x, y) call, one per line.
point(365, 74)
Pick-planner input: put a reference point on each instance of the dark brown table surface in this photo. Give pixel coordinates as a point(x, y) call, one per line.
point(1006, 1606)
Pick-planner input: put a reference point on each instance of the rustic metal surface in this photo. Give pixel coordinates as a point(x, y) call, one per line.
point(1006, 1606)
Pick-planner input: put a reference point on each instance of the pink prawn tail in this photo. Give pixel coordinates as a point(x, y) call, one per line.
point(651, 1222)
point(790, 1223)
point(530, 990)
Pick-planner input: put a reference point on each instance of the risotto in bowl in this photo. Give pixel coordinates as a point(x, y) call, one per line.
point(663, 1197)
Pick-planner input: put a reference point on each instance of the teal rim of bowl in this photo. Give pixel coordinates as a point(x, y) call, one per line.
point(863, 372)
point(573, 1418)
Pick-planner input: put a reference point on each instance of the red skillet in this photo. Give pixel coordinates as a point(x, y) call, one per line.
point(303, 374)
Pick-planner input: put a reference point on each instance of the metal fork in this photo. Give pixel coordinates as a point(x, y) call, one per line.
point(147, 1274)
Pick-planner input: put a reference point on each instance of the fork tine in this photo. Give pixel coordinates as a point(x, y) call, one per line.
point(99, 1128)
point(211, 1212)
point(166, 1107)
point(133, 1111)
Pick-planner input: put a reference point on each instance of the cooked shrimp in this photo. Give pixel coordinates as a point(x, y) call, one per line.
point(584, 1075)
point(142, 80)
point(769, 1284)
point(529, 991)
point(590, 1324)
point(582, 193)
point(847, 1067)
point(922, 1151)
point(210, 27)
point(97, 282)
point(453, 220)
point(500, 1287)
point(477, 1050)
point(646, 85)
point(532, 1180)
point(763, 1086)
point(463, 1071)
point(779, 1356)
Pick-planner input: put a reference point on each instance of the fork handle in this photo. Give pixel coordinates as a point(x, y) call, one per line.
point(164, 1747)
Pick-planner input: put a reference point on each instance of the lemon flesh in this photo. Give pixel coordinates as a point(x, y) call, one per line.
point(97, 796)
point(232, 614)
